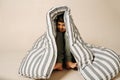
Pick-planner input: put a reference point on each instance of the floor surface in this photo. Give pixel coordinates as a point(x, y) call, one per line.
point(10, 62)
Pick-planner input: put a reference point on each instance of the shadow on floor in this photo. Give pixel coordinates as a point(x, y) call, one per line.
point(65, 75)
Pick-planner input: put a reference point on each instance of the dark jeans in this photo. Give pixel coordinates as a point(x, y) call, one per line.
point(63, 48)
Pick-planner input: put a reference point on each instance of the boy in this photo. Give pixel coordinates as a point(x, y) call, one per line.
point(62, 47)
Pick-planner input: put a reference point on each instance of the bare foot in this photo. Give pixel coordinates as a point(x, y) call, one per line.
point(58, 66)
point(71, 65)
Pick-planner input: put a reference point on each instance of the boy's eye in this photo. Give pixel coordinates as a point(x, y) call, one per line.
point(58, 24)
point(61, 24)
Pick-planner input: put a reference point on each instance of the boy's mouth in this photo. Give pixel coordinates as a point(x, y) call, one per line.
point(62, 30)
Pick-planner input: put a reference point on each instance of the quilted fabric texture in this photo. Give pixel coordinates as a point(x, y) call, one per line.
point(94, 63)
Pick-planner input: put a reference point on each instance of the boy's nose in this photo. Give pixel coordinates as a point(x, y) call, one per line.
point(63, 26)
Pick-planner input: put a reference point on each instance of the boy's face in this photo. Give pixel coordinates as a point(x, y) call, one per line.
point(61, 26)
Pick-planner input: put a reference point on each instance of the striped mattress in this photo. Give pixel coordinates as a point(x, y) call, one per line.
point(94, 63)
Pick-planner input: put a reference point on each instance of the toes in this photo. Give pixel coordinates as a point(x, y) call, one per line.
point(71, 65)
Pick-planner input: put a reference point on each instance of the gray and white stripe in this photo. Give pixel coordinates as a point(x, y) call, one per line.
point(104, 67)
point(95, 63)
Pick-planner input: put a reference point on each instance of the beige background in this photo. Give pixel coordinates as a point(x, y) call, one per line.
point(23, 21)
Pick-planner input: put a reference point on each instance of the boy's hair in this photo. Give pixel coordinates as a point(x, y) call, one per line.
point(59, 18)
